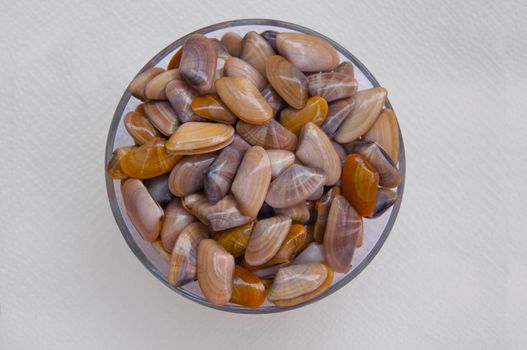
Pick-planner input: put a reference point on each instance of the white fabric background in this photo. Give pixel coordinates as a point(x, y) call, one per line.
point(453, 273)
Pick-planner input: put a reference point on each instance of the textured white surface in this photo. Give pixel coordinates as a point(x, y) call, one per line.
point(453, 274)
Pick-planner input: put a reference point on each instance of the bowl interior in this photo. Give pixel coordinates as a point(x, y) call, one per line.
point(375, 230)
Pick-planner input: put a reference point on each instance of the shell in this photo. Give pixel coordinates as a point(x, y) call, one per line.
point(182, 267)
point(323, 206)
point(366, 109)
point(180, 96)
point(252, 181)
point(176, 219)
point(298, 283)
point(341, 151)
point(137, 86)
point(215, 272)
point(274, 100)
point(271, 135)
point(140, 108)
point(197, 205)
point(146, 215)
point(346, 67)
point(158, 189)
point(309, 53)
point(332, 86)
point(175, 60)
point(287, 80)
point(386, 133)
point(148, 161)
point(235, 67)
point(268, 272)
point(256, 51)
point(388, 174)
point(316, 150)
point(338, 111)
point(210, 107)
point(247, 288)
point(244, 100)
point(139, 128)
point(233, 43)
point(225, 214)
point(235, 239)
point(266, 239)
point(280, 160)
point(162, 116)
point(316, 195)
point(359, 184)
point(294, 186)
point(343, 228)
point(293, 243)
point(155, 88)
point(384, 200)
point(315, 111)
point(270, 37)
point(188, 175)
point(313, 254)
point(221, 52)
point(197, 138)
point(198, 62)
point(220, 174)
point(162, 252)
point(298, 213)
point(114, 167)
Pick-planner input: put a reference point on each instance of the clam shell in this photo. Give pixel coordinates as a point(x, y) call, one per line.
point(247, 288)
point(271, 135)
point(297, 280)
point(388, 174)
point(155, 88)
point(222, 53)
point(235, 67)
point(235, 239)
point(233, 43)
point(280, 160)
point(315, 111)
point(256, 51)
point(175, 60)
point(162, 116)
point(144, 213)
point(210, 107)
point(313, 254)
point(140, 108)
point(225, 214)
point(148, 161)
point(182, 267)
point(341, 151)
point(268, 272)
point(274, 100)
point(270, 37)
point(294, 186)
point(137, 86)
point(292, 245)
point(114, 167)
point(367, 106)
point(197, 137)
point(342, 230)
point(197, 205)
point(215, 272)
point(359, 184)
point(180, 96)
point(384, 200)
point(266, 239)
point(244, 100)
point(188, 175)
point(158, 189)
point(176, 219)
point(316, 150)
point(252, 181)
point(316, 195)
point(198, 62)
point(309, 53)
point(298, 213)
point(139, 128)
point(322, 207)
point(346, 67)
point(332, 86)
point(162, 252)
point(287, 80)
point(386, 133)
point(338, 111)
point(220, 174)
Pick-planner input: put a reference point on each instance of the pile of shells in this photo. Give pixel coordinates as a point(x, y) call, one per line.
point(255, 160)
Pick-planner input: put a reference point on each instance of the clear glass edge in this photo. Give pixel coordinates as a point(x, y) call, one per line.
point(139, 254)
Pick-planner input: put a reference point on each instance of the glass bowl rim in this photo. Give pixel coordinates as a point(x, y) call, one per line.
point(124, 229)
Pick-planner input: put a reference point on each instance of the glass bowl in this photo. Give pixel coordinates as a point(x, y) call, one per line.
point(375, 230)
